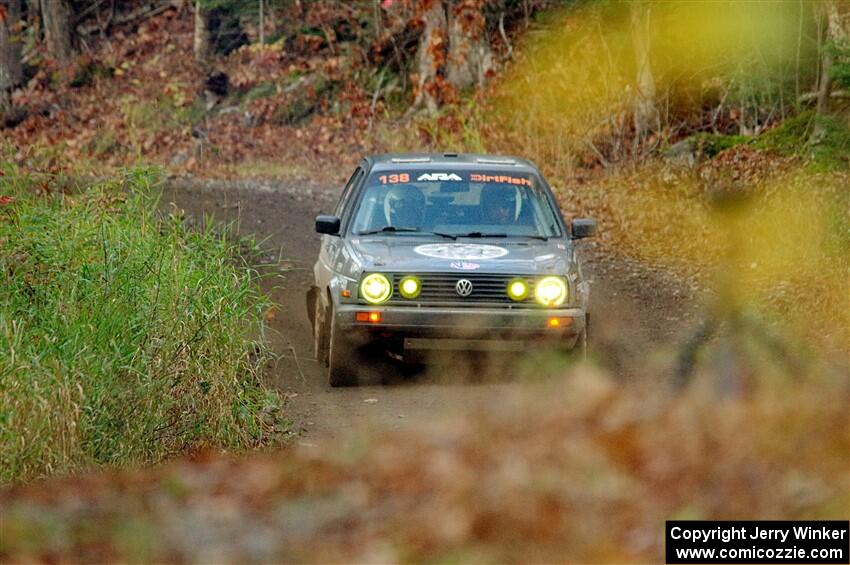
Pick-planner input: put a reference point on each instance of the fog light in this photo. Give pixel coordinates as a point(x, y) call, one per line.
point(517, 290)
point(551, 291)
point(375, 288)
point(409, 287)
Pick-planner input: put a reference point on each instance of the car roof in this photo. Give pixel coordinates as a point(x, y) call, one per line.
point(396, 161)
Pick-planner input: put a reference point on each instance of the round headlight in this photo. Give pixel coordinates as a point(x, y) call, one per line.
point(518, 290)
point(409, 287)
point(375, 288)
point(551, 291)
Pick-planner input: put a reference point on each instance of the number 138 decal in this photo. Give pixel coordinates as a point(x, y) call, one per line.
point(394, 179)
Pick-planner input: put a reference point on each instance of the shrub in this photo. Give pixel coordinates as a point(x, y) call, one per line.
point(124, 337)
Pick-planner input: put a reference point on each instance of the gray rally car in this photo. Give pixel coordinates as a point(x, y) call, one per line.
point(445, 252)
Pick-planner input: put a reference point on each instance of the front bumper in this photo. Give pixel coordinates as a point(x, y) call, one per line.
point(506, 329)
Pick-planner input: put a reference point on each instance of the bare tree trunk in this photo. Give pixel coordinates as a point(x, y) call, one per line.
point(431, 56)
point(262, 23)
point(470, 57)
point(203, 46)
point(836, 35)
point(5, 64)
point(11, 72)
point(825, 80)
point(646, 115)
point(454, 51)
point(57, 30)
point(799, 48)
point(376, 11)
point(33, 15)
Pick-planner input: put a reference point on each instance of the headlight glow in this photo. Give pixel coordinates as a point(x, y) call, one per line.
point(409, 287)
point(375, 288)
point(551, 291)
point(518, 290)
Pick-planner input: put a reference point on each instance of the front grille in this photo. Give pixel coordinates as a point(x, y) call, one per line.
point(439, 288)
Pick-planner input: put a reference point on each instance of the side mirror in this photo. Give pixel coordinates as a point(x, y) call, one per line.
point(327, 224)
point(583, 227)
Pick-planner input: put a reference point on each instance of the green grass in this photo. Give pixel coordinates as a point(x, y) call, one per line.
point(831, 151)
point(789, 137)
point(793, 137)
point(711, 144)
point(124, 337)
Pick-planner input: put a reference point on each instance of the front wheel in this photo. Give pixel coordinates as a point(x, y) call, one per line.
point(342, 361)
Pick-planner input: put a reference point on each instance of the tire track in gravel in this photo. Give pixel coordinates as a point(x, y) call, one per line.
point(638, 313)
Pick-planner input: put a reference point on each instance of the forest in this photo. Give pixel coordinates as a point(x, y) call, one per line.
point(161, 163)
point(177, 81)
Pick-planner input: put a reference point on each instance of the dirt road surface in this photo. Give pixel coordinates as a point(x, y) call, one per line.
point(636, 310)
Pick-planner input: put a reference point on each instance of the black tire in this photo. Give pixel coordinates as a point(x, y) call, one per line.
point(342, 361)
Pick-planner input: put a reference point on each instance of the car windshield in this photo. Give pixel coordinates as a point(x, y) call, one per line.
point(455, 204)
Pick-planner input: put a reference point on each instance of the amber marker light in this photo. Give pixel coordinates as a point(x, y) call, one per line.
point(345, 293)
point(559, 322)
point(371, 317)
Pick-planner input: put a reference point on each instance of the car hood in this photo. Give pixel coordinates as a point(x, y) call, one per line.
point(512, 255)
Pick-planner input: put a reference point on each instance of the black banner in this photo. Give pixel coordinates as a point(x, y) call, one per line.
point(780, 541)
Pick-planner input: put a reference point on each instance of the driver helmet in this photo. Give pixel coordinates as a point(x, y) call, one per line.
point(500, 203)
point(404, 206)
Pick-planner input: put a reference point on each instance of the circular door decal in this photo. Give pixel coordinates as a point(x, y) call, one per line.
point(461, 251)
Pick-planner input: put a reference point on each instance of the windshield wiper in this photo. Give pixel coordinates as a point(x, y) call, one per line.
point(481, 234)
point(448, 235)
point(394, 229)
point(387, 229)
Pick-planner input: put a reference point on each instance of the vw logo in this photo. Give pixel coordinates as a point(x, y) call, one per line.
point(463, 287)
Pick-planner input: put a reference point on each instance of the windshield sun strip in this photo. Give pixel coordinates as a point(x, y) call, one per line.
point(541, 199)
